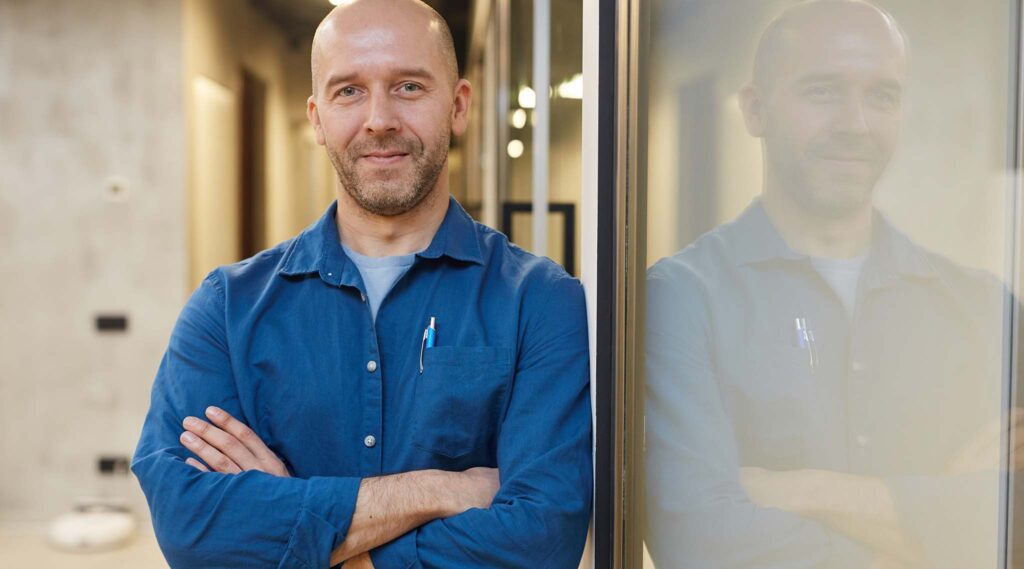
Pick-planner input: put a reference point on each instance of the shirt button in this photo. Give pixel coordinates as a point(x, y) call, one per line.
point(370, 441)
point(862, 441)
point(371, 366)
point(857, 366)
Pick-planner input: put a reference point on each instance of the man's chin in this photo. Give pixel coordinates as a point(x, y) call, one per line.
point(840, 204)
point(387, 201)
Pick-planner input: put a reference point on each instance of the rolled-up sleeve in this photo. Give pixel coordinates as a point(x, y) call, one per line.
point(208, 519)
point(540, 515)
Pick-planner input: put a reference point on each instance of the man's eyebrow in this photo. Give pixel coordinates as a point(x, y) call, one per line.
point(408, 72)
point(337, 79)
point(813, 78)
point(417, 72)
point(819, 78)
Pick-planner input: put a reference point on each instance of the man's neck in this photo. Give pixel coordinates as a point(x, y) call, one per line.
point(833, 238)
point(374, 235)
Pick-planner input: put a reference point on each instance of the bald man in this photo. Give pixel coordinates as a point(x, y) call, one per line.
point(398, 386)
point(818, 384)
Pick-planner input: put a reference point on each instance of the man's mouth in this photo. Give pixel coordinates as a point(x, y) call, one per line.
point(384, 157)
point(846, 157)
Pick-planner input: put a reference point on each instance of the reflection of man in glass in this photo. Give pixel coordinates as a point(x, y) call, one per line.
point(818, 385)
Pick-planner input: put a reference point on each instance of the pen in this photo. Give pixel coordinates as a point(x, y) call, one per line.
point(429, 339)
point(431, 332)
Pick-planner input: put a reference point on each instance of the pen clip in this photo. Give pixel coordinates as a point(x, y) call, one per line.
point(423, 345)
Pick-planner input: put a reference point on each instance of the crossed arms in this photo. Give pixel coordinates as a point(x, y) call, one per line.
point(251, 517)
point(386, 506)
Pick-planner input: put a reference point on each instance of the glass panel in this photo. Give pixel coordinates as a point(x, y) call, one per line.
point(566, 124)
point(829, 235)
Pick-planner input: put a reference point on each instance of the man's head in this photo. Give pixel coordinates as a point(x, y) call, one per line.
point(826, 100)
point(386, 100)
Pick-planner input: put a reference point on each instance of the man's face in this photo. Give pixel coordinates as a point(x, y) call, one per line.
point(831, 114)
point(384, 109)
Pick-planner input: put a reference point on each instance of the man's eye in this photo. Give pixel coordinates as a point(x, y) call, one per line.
point(820, 93)
point(347, 91)
point(886, 98)
point(410, 87)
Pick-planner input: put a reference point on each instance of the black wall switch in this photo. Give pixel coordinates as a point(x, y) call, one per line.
point(110, 465)
point(112, 323)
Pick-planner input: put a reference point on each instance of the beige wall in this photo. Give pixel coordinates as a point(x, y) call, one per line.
point(221, 39)
point(88, 91)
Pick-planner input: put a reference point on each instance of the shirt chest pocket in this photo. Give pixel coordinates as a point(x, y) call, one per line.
point(460, 397)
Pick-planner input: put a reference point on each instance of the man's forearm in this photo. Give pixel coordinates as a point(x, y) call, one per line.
point(390, 506)
point(858, 506)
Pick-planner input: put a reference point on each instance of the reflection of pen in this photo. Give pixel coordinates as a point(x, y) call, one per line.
point(429, 339)
point(805, 340)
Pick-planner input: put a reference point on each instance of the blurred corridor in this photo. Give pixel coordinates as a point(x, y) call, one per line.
point(143, 144)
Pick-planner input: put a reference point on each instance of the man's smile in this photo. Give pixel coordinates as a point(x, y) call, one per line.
point(385, 157)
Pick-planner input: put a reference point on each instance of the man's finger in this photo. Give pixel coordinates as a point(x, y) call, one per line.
point(196, 464)
point(223, 442)
point(211, 456)
point(244, 434)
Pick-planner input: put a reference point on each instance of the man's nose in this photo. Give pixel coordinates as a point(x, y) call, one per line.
point(382, 115)
point(852, 117)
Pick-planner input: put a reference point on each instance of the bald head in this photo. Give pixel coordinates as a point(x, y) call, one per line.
point(817, 25)
point(412, 17)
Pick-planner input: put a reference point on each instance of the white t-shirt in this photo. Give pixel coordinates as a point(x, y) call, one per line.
point(842, 275)
point(379, 275)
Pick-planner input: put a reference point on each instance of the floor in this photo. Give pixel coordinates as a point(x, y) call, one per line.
point(24, 546)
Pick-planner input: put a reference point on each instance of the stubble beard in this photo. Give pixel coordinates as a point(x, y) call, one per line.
point(391, 193)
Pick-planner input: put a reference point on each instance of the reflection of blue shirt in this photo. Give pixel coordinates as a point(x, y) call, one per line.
point(894, 392)
point(285, 342)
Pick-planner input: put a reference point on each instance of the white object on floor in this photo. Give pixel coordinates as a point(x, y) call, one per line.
point(93, 528)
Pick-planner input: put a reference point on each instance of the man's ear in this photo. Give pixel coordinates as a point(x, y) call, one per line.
point(460, 106)
point(752, 106)
point(314, 119)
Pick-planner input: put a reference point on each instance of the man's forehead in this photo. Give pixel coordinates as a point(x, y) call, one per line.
point(375, 46)
point(839, 51)
point(845, 56)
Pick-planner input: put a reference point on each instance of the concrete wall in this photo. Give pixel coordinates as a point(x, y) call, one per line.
point(88, 91)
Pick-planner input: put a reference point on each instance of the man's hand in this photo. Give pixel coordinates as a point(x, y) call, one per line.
point(228, 445)
point(361, 561)
point(473, 488)
point(985, 449)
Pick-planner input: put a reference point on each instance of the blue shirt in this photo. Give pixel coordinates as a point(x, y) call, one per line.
point(379, 275)
point(285, 342)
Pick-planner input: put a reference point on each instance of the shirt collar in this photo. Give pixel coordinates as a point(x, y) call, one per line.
point(318, 249)
point(457, 237)
point(891, 252)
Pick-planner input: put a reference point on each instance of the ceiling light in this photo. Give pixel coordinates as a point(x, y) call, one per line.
point(571, 88)
point(515, 148)
point(527, 98)
point(518, 118)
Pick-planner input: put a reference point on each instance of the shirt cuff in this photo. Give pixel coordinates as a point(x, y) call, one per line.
point(397, 554)
point(323, 522)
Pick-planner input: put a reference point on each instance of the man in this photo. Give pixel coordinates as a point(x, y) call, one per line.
point(397, 386)
point(818, 385)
